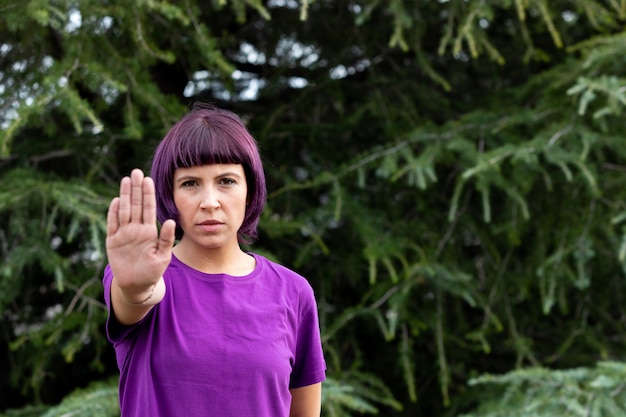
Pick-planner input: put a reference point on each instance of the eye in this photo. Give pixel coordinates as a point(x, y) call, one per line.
point(228, 181)
point(188, 183)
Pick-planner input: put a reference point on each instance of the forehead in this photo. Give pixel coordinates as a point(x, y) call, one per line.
point(210, 170)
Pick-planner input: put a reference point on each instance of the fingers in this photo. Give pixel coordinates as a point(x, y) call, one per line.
point(137, 200)
point(136, 196)
point(113, 216)
point(123, 212)
point(149, 201)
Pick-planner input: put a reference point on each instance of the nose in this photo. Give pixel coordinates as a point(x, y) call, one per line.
point(209, 200)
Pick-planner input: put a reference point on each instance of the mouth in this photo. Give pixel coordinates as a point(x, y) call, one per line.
point(210, 226)
point(210, 223)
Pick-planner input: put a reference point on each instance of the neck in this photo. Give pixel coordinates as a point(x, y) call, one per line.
point(228, 259)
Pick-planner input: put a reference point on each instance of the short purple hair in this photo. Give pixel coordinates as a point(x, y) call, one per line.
point(209, 135)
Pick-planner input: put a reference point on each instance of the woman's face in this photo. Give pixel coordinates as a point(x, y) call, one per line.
point(211, 204)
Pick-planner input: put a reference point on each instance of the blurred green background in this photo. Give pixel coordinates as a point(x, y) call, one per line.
point(449, 175)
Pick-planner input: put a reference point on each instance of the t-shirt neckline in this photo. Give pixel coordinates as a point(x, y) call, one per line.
point(205, 276)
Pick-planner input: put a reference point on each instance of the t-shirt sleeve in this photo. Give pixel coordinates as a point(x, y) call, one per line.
point(309, 365)
point(115, 331)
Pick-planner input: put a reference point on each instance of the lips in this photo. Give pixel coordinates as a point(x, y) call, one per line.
point(210, 223)
point(211, 226)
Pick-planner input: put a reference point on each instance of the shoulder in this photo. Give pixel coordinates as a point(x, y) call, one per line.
point(283, 277)
point(267, 266)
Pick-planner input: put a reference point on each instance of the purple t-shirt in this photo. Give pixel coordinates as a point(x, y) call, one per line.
point(219, 345)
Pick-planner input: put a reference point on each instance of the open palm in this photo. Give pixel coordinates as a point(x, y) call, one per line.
point(138, 254)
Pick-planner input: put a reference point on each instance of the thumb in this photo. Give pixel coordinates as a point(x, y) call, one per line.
point(167, 235)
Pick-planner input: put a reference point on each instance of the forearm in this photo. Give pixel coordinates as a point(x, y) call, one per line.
point(128, 307)
point(306, 401)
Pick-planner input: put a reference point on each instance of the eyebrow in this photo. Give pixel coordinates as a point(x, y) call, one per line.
point(219, 176)
point(228, 174)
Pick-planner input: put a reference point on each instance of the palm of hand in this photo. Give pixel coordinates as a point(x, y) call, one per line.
point(134, 254)
point(137, 254)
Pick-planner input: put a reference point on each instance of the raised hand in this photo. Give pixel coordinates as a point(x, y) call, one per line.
point(137, 253)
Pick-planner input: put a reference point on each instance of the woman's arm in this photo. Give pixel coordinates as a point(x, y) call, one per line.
point(306, 401)
point(138, 254)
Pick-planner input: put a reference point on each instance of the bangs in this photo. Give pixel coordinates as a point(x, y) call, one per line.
point(204, 144)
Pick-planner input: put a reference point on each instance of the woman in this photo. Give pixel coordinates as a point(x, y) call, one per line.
point(200, 327)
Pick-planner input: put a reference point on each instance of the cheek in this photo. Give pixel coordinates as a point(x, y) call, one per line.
point(181, 207)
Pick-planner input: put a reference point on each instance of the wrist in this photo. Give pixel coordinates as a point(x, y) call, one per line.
point(145, 300)
point(148, 297)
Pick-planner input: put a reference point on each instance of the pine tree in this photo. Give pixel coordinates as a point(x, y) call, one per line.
point(448, 174)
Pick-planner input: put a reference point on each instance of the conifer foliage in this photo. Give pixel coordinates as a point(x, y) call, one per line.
point(449, 175)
